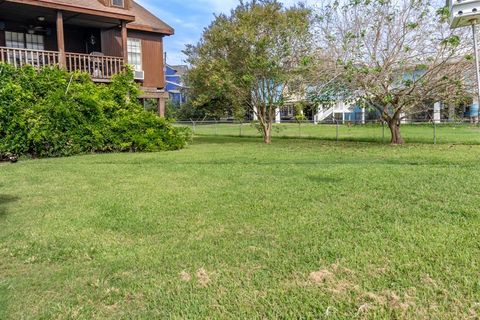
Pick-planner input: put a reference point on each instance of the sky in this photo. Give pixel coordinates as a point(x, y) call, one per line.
point(188, 18)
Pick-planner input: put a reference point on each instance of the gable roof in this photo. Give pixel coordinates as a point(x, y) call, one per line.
point(147, 21)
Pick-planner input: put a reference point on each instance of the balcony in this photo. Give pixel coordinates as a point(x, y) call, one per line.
point(101, 68)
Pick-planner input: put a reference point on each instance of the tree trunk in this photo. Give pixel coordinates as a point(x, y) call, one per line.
point(394, 126)
point(267, 135)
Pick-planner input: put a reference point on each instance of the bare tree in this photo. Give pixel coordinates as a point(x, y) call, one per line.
point(394, 55)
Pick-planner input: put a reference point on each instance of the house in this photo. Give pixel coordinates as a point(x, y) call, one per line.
point(175, 83)
point(95, 36)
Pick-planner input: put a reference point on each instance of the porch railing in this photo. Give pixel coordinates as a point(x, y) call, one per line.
point(99, 67)
point(21, 57)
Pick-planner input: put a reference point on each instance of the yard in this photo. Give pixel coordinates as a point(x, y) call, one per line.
point(461, 133)
point(231, 228)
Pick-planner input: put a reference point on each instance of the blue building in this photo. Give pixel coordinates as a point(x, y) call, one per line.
point(174, 76)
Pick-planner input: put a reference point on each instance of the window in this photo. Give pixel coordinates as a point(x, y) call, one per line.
point(35, 42)
point(118, 3)
point(24, 41)
point(15, 39)
point(135, 53)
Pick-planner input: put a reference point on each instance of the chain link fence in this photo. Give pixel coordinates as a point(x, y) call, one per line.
point(371, 131)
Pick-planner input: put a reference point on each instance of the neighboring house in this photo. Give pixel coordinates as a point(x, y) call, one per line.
point(175, 86)
point(94, 36)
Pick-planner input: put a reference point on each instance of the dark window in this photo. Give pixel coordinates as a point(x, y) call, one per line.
point(24, 40)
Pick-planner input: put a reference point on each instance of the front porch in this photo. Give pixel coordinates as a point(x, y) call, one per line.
point(77, 41)
point(100, 67)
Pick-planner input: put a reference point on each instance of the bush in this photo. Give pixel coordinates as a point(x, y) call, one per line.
point(51, 113)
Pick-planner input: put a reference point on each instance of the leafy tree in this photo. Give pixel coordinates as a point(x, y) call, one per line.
point(246, 60)
point(395, 56)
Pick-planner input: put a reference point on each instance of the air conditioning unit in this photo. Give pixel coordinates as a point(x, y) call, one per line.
point(464, 12)
point(139, 75)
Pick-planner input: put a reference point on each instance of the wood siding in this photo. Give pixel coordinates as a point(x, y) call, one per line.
point(112, 42)
point(76, 38)
point(2, 38)
point(152, 58)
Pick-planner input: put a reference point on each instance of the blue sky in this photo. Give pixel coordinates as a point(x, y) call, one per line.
point(188, 18)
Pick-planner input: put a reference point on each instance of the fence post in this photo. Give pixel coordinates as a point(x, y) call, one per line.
point(434, 132)
point(337, 128)
point(216, 128)
point(193, 126)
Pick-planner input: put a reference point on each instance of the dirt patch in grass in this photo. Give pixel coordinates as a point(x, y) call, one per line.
point(342, 283)
point(321, 276)
point(185, 276)
point(203, 278)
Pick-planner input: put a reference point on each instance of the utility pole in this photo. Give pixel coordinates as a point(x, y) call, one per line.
point(477, 67)
point(464, 13)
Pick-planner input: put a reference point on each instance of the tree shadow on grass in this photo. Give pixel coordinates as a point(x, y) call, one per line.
point(250, 139)
point(224, 139)
point(324, 179)
point(5, 200)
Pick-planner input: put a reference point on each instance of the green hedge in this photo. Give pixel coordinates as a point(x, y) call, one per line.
point(51, 113)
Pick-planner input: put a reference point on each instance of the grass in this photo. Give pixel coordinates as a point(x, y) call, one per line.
point(230, 228)
point(418, 133)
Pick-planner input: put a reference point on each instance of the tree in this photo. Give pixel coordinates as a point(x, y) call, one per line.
point(394, 55)
point(246, 60)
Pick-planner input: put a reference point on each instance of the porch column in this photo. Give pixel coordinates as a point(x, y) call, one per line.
point(278, 115)
point(255, 113)
point(317, 114)
point(363, 115)
point(437, 118)
point(451, 112)
point(124, 41)
point(62, 59)
point(161, 107)
point(474, 111)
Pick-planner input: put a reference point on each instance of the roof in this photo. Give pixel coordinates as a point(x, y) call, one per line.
point(180, 69)
point(179, 85)
point(91, 7)
point(139, 17)
point(147, 21)
point(89, 4)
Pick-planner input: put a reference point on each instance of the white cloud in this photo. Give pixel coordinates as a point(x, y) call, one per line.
point(224, 6)
point(189, 18)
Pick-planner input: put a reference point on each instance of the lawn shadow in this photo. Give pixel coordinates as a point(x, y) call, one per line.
point(224, 139)
point(4, 201)
point(323, 179)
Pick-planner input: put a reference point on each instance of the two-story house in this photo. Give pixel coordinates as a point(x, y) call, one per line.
point(94, 36)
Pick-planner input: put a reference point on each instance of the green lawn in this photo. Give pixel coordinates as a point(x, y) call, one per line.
point(231, 228)
point(417, 133)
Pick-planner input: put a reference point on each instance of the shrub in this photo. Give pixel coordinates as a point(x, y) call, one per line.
point(50, 113)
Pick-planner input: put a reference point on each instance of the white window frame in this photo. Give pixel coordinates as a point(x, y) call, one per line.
point(21, 40)
point(114, 4)
point(35, 41)
point(15, 40)
point(134, 47)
